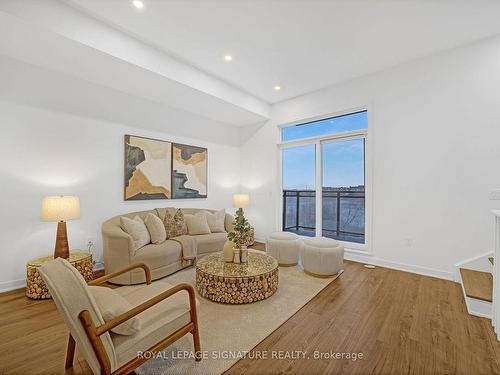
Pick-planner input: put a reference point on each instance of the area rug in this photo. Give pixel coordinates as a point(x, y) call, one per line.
point(228, 332)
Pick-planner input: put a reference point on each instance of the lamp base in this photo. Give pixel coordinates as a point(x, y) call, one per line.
point(62, 247)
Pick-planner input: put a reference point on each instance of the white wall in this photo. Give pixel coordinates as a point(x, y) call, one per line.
point(50, 153)
point(435, 128)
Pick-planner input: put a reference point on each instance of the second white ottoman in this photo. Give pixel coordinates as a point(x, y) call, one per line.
point(322, 257)
point(284, 247)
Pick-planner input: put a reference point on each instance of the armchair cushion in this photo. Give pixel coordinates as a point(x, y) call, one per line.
point(157, 322)
point(112, 304)
point(71, 296)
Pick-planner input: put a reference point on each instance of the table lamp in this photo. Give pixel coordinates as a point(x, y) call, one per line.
point(60, 209)
point(241, 201)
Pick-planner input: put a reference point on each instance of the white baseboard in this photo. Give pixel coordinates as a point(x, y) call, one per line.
point(7, 286)
point(368, 259)
point(98, 265)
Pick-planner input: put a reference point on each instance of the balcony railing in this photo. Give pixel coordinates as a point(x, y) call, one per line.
point(343, 213)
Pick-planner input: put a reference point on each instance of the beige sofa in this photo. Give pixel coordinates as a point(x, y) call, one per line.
point(162, 259)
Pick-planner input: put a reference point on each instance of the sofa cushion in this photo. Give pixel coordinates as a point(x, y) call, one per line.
point(215, 221)
point(111, 304)
point(156, 228)
point(197, 223)
point(174, 223)
point(159, 255)
point(137, 230)
point(210, 242)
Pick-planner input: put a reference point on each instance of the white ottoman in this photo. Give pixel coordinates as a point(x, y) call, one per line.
point(284, 247)
point(322, 257)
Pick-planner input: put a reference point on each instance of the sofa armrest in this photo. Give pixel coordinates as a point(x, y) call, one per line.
point(114, 231)
point(117, 248)
point(229, 223)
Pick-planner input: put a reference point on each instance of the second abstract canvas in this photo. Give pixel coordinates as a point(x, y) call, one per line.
point(189, 171)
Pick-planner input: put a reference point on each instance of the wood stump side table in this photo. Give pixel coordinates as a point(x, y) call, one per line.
point(35, 286)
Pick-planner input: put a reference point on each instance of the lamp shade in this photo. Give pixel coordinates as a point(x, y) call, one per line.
point(241, 200)
point(60, 208)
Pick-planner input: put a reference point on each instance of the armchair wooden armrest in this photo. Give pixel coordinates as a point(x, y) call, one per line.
point(105, 278)
point(94, 332)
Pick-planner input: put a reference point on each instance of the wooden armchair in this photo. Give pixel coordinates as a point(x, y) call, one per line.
point(166, 316)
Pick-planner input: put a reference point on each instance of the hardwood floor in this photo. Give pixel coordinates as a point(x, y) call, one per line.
point(402, 323)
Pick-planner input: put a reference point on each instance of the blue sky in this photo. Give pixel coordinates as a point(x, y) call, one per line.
point(343, 162)
point(354, 121)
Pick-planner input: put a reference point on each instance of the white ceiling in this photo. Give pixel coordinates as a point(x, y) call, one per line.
point(53, 36)
point(302, 45)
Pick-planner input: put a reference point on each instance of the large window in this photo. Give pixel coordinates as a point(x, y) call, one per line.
point(324, 177)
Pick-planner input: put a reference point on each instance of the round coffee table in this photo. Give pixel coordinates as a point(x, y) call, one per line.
point(236, 283)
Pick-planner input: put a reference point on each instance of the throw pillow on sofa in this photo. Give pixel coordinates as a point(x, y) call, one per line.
point(111, 305)
point(197, 223)
point(216, 221)
point(156, 228)
point(162, 212)
point(174, 224)
point(137, 229)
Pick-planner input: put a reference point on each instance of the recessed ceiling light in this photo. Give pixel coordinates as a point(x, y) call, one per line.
point(138, 4)
point(228, 58)
point(277, 88)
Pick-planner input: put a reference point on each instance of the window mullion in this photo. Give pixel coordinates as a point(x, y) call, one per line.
point(319, 189)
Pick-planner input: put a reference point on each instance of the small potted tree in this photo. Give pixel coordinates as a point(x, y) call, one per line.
point(240, 236)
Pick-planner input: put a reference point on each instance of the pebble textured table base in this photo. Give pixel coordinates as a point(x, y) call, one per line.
point(35, 286)
point(237, 283)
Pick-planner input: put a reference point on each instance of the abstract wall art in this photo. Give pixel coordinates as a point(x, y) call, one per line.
point(156, 169)
point(148, 168)
point(189, 171)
